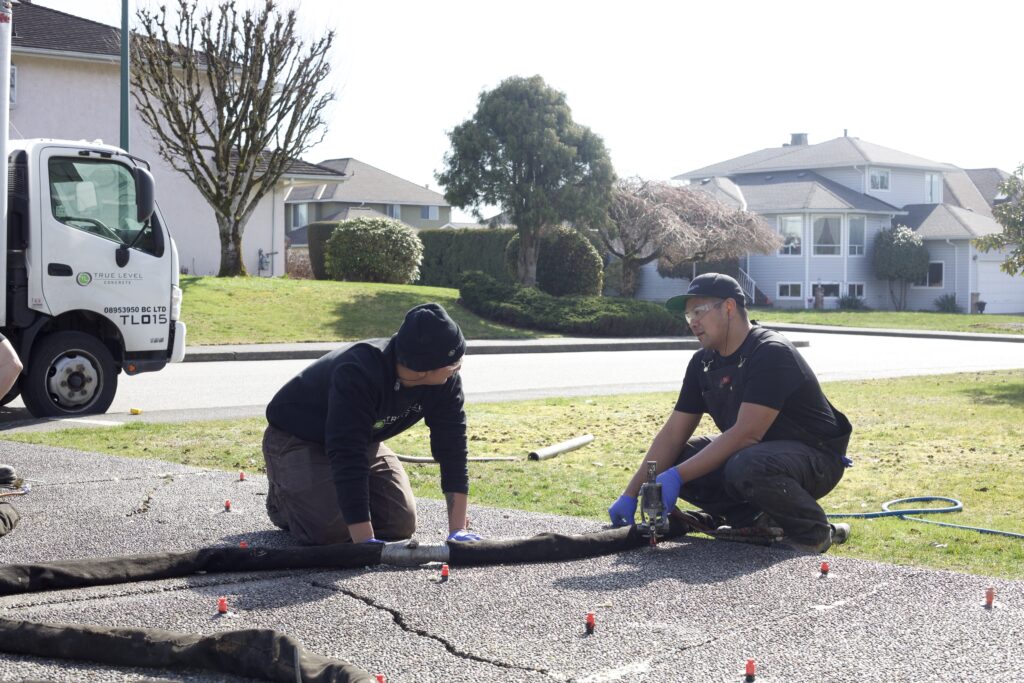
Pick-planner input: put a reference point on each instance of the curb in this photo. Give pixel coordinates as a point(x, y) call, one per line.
point(884, 332)
point(473, 348)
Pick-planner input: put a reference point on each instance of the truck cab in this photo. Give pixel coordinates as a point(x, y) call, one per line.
point(90, 274)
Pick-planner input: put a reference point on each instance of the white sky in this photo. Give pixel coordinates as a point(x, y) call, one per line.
point(671, 86)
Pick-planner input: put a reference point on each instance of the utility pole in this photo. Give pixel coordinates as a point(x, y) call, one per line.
point(125, 70)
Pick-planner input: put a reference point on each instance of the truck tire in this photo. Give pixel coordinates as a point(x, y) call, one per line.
point(70, 373)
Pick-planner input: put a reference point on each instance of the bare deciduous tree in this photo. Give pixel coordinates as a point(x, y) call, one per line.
point(718, 232)
point(233, 99)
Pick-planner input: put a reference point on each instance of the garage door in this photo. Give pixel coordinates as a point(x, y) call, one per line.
point(1002, 293)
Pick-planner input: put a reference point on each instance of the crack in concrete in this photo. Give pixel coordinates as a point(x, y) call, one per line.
point(144, 508)
point(400, 621)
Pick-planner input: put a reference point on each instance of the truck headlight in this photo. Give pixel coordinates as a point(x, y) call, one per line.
point(175, 302)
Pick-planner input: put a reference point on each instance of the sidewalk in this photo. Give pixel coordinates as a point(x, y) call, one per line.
point(300, 351)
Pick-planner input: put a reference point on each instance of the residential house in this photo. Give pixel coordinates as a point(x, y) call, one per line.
point(828, 201)
point(360, 189)
point(65, 84)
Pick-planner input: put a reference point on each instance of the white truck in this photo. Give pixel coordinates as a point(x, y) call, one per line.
point(89, 269)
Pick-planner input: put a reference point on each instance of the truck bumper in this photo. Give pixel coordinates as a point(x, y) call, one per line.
point(178, 350)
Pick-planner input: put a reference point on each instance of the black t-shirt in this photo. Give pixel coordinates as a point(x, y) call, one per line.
point(350, 398)
point(776, 376)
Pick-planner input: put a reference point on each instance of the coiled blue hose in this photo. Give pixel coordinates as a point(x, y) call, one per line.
point(955, 506)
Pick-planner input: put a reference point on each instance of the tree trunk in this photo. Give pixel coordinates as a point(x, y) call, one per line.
point(529, 248)
point(231, 263)
point(630, 277)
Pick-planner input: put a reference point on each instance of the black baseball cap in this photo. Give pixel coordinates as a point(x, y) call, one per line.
point(429, 339)
point(715, 285)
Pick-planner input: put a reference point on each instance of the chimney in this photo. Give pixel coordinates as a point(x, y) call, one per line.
point(797, 139)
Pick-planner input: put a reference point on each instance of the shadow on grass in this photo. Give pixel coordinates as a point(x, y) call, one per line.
point(1010, 394)
point(382, 313)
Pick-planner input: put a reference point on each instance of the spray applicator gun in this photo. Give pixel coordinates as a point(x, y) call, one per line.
point(653, 515)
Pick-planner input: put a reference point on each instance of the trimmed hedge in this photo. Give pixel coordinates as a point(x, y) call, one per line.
point(317, 235)
point(583, 315)
point(374, 250)
point(447, 254)
point(567, 263)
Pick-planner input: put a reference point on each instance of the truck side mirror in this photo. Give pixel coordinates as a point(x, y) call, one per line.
point(144, 191)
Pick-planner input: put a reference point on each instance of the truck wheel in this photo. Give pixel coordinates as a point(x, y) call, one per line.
point(70, 373)
point(12, 394)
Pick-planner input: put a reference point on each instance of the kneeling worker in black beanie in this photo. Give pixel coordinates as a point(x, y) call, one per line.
point(332, 478)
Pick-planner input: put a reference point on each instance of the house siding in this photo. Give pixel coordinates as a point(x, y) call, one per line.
point(906, 186)
point(848, 177)
point(769, 270)
point(653, 287)
point(923, 298)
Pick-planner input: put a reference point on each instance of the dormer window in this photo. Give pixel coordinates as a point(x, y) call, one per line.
point(879, 180)
point(932, 188)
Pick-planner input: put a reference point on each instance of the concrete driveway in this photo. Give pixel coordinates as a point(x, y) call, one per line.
point(693, 610)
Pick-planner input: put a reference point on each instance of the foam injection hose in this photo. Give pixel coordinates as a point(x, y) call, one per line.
point(561, 447)
point(32, 577)
point(904, 513)
point(262, 654)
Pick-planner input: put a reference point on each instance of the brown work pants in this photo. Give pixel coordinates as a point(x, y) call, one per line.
point(302, 498)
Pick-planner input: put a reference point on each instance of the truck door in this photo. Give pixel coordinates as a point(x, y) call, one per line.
point(88, 211)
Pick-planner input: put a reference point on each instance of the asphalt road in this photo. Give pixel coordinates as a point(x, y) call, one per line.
point(195, 391)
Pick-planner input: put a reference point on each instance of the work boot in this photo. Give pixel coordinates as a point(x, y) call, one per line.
point(838, 533)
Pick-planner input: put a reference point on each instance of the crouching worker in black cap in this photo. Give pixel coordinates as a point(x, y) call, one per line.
point(782, 446)
point(331, 477)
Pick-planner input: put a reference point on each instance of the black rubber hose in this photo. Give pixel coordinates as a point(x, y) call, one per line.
point(553, 547)
point(255, 653)
point(28, 578)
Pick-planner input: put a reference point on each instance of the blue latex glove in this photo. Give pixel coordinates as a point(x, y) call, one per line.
point(623, 511)
point(373, 540)
point(462, 535)
point(670, 482)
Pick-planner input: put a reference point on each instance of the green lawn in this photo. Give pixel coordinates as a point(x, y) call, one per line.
point(267, 310)
point(949, 435)
point(900, 320)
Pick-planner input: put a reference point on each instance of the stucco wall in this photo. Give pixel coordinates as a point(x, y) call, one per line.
point(71, 99)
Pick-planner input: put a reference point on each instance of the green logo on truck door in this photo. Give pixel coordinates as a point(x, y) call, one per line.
point(84, 279)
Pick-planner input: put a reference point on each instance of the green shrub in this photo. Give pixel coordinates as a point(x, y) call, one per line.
point(852, 303)
point(317, 235)
point(947, 304)
point(579, 315)
point(567, 263)
point(374, 250)
point(447, 254)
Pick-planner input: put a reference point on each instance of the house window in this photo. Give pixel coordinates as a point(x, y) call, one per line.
point(855, 289)
point(827, 235)
point(934, 276)
point(14, 86)
point(856, 235)
point(428, 213)
point(879, 179)
point(300, 215)
point(932, 188)
point(829, 290)
point(395, 211)
point(789, 290)
point(791, 229)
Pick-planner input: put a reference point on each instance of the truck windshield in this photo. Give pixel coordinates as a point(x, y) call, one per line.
point(97, 196)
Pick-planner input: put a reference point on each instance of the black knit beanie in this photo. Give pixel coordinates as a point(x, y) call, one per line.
point(428, 339)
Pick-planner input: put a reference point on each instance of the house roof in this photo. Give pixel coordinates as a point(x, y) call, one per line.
point(803, 191)
point(299, 236)
point(724, 190)
point(836, 153)
point(298, 169)
point(988, 180)
point(39, 28)
point(959, 190)
point(945, 221)
point(366, 183)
